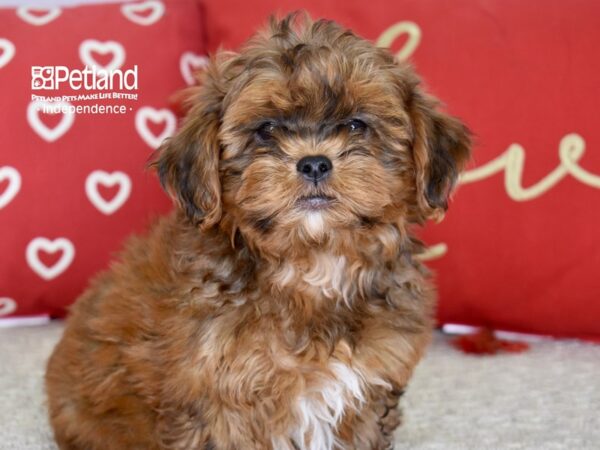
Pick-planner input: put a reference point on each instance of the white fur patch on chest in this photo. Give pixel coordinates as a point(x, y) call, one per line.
point(328, 275)
point(321, 408)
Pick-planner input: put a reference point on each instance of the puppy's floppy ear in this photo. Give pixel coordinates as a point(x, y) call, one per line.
point(441, 150)
point(188, 163)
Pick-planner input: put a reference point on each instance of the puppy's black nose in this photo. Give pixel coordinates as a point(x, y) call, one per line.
point(314, 168)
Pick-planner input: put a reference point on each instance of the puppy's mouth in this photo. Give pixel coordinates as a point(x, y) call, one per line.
point(315, 202)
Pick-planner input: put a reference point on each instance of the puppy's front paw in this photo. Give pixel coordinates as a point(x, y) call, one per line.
point(389, 413)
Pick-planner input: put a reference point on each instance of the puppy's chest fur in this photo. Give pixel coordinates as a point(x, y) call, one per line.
point(305, 349)
point(321, 406)
point(323, 277)
point(304, 395)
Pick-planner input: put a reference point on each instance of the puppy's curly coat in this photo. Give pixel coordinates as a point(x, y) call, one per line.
point(280, 306)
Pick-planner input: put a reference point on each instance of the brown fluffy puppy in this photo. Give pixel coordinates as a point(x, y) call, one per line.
point(280, 306)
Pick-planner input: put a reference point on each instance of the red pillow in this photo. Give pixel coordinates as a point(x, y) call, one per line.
point(520, 246)
point(74, 185)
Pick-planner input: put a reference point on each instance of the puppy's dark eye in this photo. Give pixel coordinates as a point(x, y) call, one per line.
point(266, 130)
point(356, 126)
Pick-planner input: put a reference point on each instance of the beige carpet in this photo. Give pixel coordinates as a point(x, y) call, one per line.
point(547, 398)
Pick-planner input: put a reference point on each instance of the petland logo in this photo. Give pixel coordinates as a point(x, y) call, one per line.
point(53, 77)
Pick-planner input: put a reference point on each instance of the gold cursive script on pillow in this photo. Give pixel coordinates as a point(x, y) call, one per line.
point(512, 161)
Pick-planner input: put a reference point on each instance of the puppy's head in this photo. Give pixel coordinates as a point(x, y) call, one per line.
point(308, 133)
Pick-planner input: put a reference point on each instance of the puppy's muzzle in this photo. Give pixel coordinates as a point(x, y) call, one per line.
point(314, 168)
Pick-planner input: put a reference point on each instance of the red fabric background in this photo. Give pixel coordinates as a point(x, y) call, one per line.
point(516, 72)
point(52, 201)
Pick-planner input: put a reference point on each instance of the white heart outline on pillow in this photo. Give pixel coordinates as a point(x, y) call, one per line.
point(46, 133)
point(189, 60)
point(130, 11)
point(8, 52)
point(156, 116)
point(50, 246)
point(7, 306)
point(107, 179)
point(14, 184)
point(87, 46)
point(24, 12)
